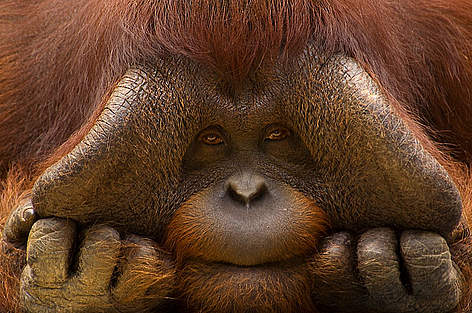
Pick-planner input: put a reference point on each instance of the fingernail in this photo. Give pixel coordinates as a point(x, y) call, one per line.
point(28, 215)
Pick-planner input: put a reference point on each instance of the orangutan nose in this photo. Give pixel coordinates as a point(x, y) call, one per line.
point(246, 188)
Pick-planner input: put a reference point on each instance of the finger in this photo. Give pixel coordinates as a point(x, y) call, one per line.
point(147, 274)
point(379, 267)
point(336, 284)
point(19, 223)
point(432, 273)
point(47, 255)
point(98, 256)
point(334, 278)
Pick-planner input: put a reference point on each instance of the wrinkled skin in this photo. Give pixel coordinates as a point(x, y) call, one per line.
point(377, 279)
point(47, 284)
point(391, 208)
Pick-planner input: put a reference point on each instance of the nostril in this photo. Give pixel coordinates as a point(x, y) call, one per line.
point(258, 193)
point(246, 191)
point(238, 197)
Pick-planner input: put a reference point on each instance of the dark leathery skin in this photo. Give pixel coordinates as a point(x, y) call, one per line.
point(384, 273)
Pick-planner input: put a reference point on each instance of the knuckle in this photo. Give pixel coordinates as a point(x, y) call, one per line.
point(51, 226)
point(417, 244)
point(102, 233)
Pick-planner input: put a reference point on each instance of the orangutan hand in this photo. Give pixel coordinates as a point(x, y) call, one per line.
point(383, 273)
point(97, 273)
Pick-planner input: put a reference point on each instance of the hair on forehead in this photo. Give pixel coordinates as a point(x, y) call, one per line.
point(234, 36)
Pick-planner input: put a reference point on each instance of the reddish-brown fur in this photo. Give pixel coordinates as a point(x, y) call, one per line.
point(58, 60)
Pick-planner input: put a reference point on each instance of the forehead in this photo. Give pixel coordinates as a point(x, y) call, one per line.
point(263, 96)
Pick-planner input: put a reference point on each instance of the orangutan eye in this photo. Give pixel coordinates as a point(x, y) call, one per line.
point(211, 138)
point(277, 133)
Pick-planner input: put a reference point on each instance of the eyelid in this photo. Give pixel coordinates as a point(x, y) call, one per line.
point(211, 132)
point(284, 133)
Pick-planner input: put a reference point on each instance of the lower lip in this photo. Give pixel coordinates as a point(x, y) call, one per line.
point(256, 273)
